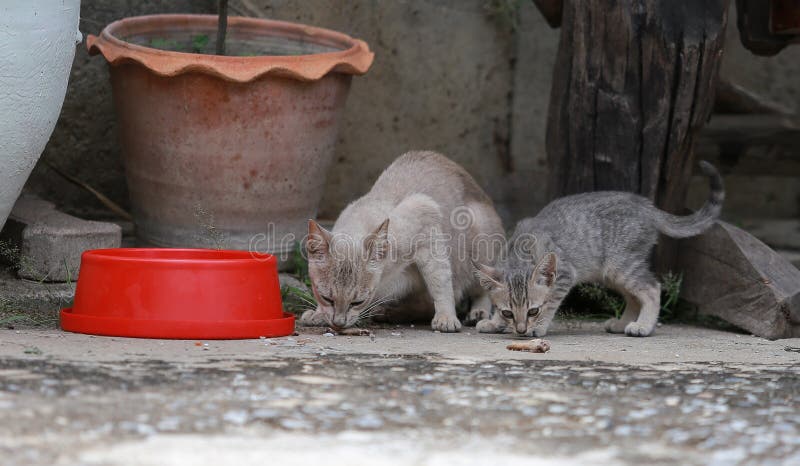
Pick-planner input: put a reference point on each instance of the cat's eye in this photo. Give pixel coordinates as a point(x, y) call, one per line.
point(507, 314)
point(356, 303)
point(533, 311)
point(326, 299)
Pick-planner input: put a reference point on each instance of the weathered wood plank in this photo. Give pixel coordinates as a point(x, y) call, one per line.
point(753, 145)
point(752, 130)
point(733, 98)
point(634, 80)
point(730, 274)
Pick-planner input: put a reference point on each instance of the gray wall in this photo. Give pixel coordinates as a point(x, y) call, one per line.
point(449, 75)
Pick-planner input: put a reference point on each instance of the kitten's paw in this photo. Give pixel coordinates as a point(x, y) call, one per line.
point(635, 329)
point(614, 325)
point(313, 318)
point(476, 315)
point(487, 326)
point(446, 323)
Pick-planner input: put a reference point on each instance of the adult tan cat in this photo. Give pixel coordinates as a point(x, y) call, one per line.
point(415, 233)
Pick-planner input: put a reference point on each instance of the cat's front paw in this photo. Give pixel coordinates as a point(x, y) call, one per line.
point(445, 323)
point(476, 315)
point(487, 326)
point(314, 318)
point(614, 325)
point(635, 329)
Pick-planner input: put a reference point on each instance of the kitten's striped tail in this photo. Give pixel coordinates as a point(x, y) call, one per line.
point(700, 221)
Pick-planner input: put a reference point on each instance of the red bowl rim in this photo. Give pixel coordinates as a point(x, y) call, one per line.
point(177, 329)
point(140, 255)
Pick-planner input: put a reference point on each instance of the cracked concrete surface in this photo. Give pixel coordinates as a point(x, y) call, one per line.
point(407, 396)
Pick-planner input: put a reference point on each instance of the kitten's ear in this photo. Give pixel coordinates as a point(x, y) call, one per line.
point(545, 271)
point(489, 277)
point(318, 241)
point(377, 242)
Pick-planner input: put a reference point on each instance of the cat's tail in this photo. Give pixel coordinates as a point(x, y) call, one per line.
point(701, 220)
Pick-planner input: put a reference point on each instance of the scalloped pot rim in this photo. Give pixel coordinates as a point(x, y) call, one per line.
point(354, 58)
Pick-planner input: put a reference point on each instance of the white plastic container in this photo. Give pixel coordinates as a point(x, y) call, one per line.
point(37, 47)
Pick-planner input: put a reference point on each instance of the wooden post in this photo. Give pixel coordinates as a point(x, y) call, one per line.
point(633, 82)
point(222, 26)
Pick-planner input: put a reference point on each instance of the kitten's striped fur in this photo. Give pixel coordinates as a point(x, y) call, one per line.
point(603, 237)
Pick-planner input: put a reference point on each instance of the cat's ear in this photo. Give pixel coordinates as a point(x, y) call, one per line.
point(489, 277)
point(318, 241)
point(545, 272)
point(376, 243)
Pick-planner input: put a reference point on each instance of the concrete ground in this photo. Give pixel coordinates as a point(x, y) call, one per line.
point(405, 395)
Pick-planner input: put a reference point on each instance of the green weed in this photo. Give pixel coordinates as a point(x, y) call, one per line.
point(297, 300)
point(589, 301)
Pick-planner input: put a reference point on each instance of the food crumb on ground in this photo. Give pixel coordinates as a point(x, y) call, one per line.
point(537, 345)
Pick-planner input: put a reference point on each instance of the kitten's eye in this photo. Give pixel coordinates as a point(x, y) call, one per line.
point(356, 303)
point(533, 311)
point(326, 299)
point(507, 314)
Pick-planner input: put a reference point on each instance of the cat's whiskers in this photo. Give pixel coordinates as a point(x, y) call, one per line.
point(371, 309)
point(377, 302)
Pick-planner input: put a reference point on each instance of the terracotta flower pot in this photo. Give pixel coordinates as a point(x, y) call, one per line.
point(227, 151)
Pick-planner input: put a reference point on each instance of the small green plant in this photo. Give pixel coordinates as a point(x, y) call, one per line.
point(297, 300)
point(670, 296)
point(592, 301)
point(589, 301)
point(199, 43)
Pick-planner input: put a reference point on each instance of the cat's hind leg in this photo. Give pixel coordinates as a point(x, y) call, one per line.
point(647, 290)
point(631, 312)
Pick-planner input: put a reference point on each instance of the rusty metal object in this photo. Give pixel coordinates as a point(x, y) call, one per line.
point(785, 17)
point(767, 26)
point(227, 151)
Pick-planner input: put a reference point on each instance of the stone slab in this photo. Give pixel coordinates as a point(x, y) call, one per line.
point(730, 274)
point(49, 243)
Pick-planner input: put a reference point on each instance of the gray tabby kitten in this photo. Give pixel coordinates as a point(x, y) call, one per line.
point(413, 235)
point(601, 237)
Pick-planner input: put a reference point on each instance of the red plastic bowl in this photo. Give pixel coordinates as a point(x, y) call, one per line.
point(178, 293)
